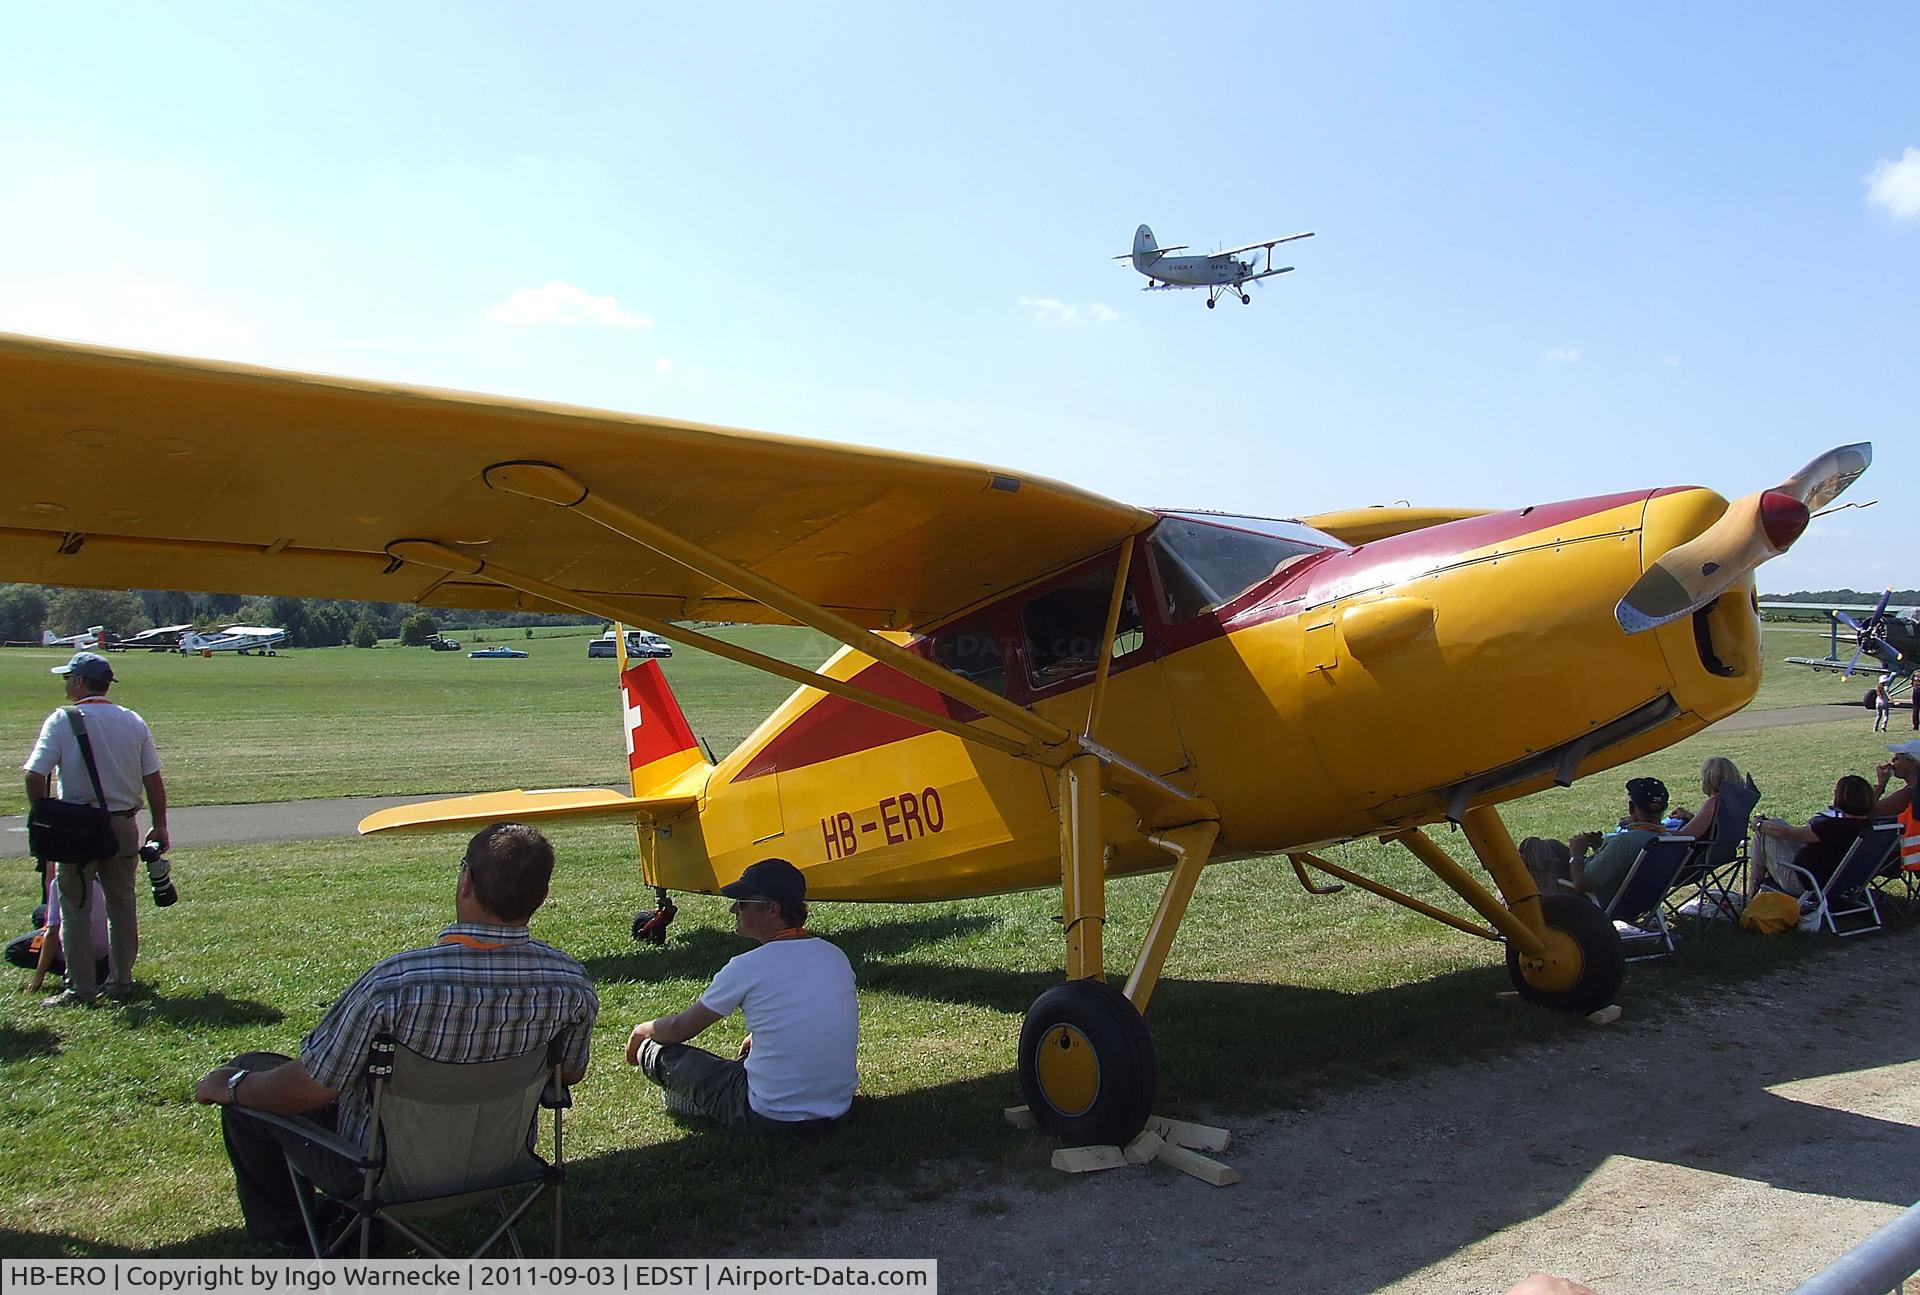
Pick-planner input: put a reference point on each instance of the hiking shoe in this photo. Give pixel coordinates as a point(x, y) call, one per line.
point(67, 998)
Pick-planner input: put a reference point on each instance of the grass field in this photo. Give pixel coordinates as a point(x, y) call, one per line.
point(1272, 998)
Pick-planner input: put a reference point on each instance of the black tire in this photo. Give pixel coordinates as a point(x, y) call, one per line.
point(1097, 1018)
point(1209, 303)
point(1603, 962)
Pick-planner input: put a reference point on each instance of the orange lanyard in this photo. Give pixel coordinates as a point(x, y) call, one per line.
point(793, 933)
point(461, 937)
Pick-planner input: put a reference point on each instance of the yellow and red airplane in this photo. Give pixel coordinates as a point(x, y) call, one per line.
point(1038, 687)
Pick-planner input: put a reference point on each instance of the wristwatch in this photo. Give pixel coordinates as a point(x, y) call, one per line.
point(233, 1085)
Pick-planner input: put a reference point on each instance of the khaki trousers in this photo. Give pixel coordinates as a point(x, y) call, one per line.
point(123, 922)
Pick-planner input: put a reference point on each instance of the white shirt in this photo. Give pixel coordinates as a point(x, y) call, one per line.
point(798, 998)
point(123, 751)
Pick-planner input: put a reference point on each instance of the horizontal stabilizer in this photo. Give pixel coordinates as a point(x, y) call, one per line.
point(1152, 252)
point(522, 807)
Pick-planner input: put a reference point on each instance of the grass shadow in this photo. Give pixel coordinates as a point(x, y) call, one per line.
point(199, 1011)
point(20, 1045)
point(698, 953)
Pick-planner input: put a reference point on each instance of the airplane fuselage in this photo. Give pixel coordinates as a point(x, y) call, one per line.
point(1287, 709)
point(1194, 271)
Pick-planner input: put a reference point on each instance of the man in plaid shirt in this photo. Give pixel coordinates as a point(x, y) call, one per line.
point(484, 991)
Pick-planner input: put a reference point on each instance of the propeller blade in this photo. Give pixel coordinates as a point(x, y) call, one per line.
point(1822, 481)
point(1848, 672)
point(1848, 621)
point(1754, 528)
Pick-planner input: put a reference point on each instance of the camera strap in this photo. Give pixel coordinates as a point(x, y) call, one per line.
point(86, 752)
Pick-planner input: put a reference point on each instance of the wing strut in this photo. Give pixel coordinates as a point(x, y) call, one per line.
point(554, 485)
point(431, 554)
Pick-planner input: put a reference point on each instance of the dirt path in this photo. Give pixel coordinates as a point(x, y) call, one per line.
point(1737, 1145)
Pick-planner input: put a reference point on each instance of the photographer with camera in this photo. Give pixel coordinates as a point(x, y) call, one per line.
point(104, 756)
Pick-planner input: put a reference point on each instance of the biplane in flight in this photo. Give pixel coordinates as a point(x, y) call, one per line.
point(1037, 688)
point(1220, 273)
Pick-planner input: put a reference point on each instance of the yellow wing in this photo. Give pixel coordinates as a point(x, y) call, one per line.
point(136, 471)
point(1358, 526)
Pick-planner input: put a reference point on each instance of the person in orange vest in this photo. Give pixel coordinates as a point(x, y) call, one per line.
point(1905, 766)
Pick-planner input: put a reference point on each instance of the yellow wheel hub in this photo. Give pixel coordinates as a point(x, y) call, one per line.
point(1560, 970)
point(1068, 1070)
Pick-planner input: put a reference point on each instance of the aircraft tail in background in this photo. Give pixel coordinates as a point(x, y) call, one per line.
point(661, 748)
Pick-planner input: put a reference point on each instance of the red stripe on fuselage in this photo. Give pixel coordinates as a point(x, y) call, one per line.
point(835, 726)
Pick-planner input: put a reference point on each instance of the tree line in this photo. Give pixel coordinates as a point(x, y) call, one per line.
point(27, 610)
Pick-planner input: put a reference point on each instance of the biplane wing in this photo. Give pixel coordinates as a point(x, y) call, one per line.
point(133, 470)
point(1266, 246)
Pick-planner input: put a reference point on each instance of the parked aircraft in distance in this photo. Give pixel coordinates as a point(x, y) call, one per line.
point(1219, 273)
point(1888, 639)
point(245, 639)
point(95, 637)
point(161, 638)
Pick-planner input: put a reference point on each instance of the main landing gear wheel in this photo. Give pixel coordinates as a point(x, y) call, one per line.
point(1245, 300)
point(1584, 963)
point(1087, 1064)
point(1210, 303)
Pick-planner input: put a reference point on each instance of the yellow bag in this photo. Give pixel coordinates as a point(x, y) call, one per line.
point(1770, 912)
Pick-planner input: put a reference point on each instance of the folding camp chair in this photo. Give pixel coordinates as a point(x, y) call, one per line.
point(1643, 893)
point(443, 1137)
point(1715, 873)
point(1849, 893)
point(1905, 876)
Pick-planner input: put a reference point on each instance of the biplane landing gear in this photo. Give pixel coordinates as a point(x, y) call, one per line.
point(1210, 303)
point(1584, 964)
point(650, 924)
point(1087, 1064)
point(1245, 300)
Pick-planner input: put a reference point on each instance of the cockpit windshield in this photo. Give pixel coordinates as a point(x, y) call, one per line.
point(1205, 561)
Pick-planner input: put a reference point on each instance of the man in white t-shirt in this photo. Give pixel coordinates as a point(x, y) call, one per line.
point(796, 1068)
point(129, 769)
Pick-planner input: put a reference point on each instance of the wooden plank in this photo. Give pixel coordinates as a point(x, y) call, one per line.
point(1081, 1160)
point(1205, 1168)
point(1145, 1147)
point(1199, 1137)
point(1605, 1016)
point(1021, 1118)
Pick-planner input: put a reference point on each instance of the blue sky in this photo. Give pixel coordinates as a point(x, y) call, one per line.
point(1558, 251)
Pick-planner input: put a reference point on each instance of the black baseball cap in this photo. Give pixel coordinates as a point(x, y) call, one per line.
point(1648, 793)
point(774, 879)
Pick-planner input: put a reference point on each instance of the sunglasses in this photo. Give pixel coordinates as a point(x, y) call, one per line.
point(740, 904)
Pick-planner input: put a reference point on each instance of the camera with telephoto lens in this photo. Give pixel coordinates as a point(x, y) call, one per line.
point(160, 874)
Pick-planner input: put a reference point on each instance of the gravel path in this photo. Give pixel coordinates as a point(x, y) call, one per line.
point(1737, 1145)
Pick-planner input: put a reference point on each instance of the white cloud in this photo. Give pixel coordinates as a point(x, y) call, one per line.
point(1669, 361)
point(1896, 185)
point(662, 364)
point(1046, 310)
point(1561, 355)
point(562, 303)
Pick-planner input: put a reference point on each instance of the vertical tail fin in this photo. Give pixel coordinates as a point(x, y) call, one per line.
point(661, 746)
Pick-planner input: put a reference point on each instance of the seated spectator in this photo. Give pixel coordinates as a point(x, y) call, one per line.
point(1899, 803)
point(1720, 780)
point(40, 950)
point(795, 1072)
point(1599, 864)
point(484, 991)
point(1817, 847)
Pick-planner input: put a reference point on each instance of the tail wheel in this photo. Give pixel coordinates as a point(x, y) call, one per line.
point(1584, 964)
point(1087, 1064)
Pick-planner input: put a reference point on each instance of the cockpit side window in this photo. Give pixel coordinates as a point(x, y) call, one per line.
point(971, 649)
point(1062, 627)
point(1202, 566)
